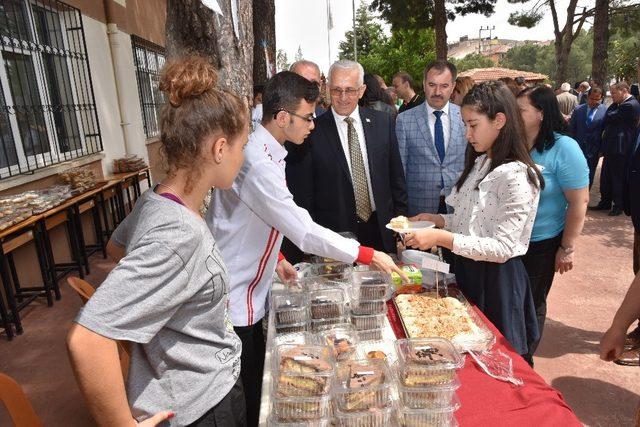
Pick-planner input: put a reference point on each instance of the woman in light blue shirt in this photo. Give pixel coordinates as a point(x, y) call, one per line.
point(563, 202)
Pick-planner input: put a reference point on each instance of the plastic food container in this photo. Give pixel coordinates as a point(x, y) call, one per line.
point(274, 421)
point(377, 349)
point(427, 361)
point(369, 321)
point(432, 397)
point(368, 307)
point(371, 285)
point(289, 308)
point(300, 409)
point(303, 370)
point(429, 417)
point(297, 338)
point(292, 329)
point(325, 324)
point(327, 303)
point(370, 335)
point(362, 384)
point(374, 417)
point(342, 339)
point(328, 269)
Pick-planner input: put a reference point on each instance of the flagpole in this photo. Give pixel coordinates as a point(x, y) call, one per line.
point(355, 36)
point(329, 25)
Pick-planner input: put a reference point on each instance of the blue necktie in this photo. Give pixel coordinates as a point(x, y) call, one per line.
point(438, 136)
point(592, 112)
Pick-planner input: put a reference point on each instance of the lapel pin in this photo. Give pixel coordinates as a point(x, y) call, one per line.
point(367, 120)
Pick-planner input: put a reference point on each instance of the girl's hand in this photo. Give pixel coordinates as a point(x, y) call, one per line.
point(422, 239)
point(438, 220)
point(612, 344)
point(564, 261)
point(157, 419)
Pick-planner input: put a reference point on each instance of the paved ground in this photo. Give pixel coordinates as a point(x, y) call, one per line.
point(581, 306)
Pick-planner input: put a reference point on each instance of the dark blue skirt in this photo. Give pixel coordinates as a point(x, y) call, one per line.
point(503, 294)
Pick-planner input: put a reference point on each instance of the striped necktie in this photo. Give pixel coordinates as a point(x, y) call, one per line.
point(358, 173)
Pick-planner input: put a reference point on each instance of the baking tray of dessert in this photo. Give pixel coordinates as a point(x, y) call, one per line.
point(448, 316)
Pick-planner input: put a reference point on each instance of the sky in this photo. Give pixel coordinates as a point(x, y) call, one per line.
point(303, 23)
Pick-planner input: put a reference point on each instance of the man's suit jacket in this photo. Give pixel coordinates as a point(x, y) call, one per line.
point(420, 158)
point(318, 174)
point(589, 136)
point(620, 124)
point(632, 186)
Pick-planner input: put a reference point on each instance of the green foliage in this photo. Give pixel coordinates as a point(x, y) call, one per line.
point(282, 62)
point(369, 34)
point(472, 60)
point(624, 45)
point(541, 59)
point(527, 19)
point(406, 50)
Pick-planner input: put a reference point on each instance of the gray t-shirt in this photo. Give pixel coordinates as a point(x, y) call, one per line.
point(168, 296)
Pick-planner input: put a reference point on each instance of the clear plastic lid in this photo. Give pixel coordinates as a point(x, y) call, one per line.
point(296, 338)
point(303, 370)
point(427, 361)
point(293, 328)
point(362, 384)
point(327, 303)
point(430, 353)
point(378, 349)
point(289, 308)
point(368, 306)
point(342, 339)
point(370, 278)
point(320, 325)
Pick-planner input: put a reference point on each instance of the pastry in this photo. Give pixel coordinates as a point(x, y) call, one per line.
point(324, 309)
point(299, 369)
point(342, 347)
point(399, 222)
point(377, 354)
point(362, 384)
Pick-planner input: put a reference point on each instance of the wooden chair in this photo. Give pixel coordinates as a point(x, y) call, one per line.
point(17, 404)
point(85, 290)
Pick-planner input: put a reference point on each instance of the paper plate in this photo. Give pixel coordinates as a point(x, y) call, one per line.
point(413, 226)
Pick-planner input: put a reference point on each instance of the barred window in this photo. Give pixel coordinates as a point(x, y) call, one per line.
point(47, 105)
point(149, 60)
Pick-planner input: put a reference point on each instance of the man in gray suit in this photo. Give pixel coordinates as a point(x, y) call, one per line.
point(432, 142)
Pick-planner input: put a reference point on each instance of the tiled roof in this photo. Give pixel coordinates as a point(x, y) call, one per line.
point(494, 73)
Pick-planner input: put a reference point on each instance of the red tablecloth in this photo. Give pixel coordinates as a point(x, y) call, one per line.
point(489, 402)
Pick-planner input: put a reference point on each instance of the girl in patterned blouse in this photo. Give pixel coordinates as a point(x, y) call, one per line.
point(495, 202)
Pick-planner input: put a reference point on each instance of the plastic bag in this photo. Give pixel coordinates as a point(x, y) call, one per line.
point(496, 364)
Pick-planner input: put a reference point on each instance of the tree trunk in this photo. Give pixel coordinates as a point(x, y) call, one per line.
point(193, 28)
point(562, 49)
point(600, 42)
point(440, 26)
point(264, 34)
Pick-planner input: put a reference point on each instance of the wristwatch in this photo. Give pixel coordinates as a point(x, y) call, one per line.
point(568, 250)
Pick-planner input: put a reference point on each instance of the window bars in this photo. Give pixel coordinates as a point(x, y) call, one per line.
point(47, 105)
point(149, 59)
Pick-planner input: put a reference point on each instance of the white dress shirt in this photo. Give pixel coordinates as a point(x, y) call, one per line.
point(446, 123)
point(249, 220)
point(343, 132)
point(493, 221)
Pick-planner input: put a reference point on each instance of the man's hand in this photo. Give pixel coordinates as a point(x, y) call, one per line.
point(383, 262)
point(285, 271)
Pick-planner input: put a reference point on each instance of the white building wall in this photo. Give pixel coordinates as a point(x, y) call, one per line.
point(104, 88)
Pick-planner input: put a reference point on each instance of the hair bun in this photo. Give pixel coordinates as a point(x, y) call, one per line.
point(187, 78)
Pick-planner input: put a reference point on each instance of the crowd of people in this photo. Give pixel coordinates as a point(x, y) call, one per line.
point(495, 165)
